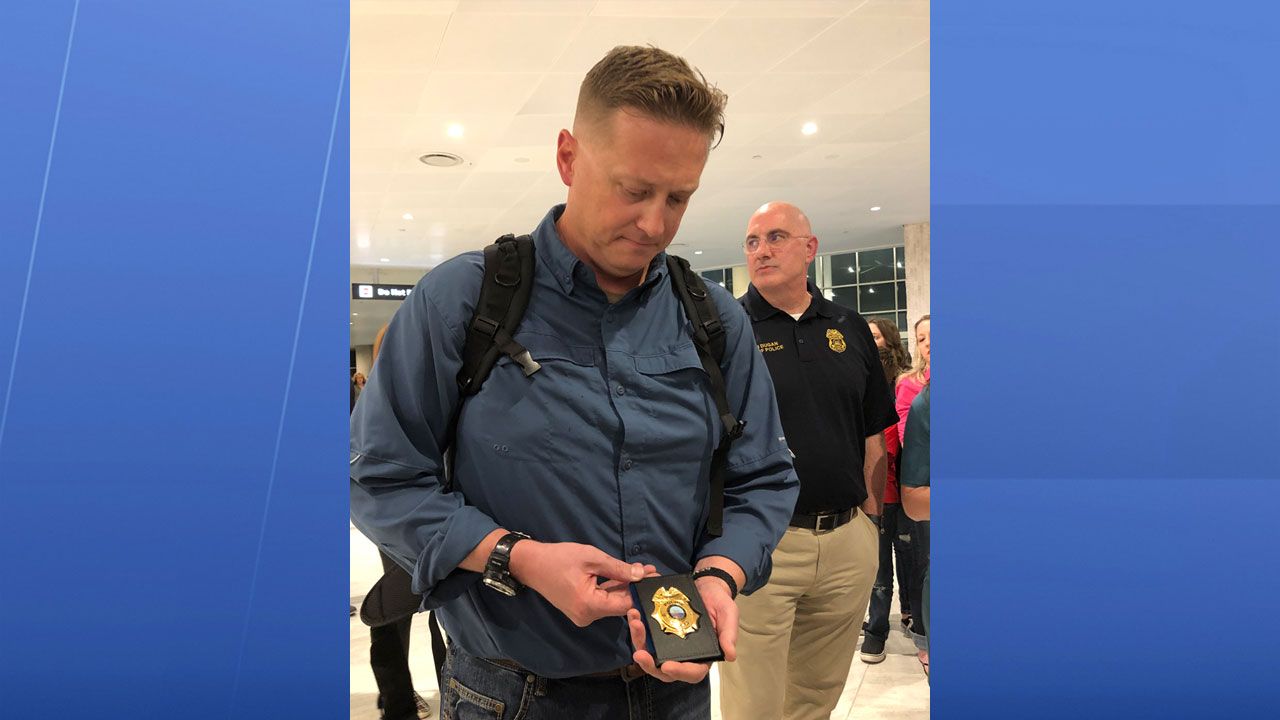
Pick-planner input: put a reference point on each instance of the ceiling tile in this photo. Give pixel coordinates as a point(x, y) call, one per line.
point(787, 92)
point(504, 43)
point(474, 93)
point(877, 93)
point(525, 7)
point(857, 43)
point(738, 44)
point(599, 35)
point(408, 42)
point(385, 93)
point(794, 8)
point(556, 93)
point(663, 8)
point(541, 130)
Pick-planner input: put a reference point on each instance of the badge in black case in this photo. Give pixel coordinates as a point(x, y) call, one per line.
point(676, 620)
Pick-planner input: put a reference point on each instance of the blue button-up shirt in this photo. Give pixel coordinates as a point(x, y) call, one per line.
point(609, 444)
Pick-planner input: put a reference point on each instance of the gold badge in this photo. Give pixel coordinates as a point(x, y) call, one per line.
point(672, 610)
point(835, 340)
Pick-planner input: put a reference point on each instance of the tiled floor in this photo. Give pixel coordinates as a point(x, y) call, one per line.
point(895, 689)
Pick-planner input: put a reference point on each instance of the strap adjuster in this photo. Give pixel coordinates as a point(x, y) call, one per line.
point(484, 326)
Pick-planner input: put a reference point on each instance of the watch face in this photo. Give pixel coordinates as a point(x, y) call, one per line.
point(500, 586)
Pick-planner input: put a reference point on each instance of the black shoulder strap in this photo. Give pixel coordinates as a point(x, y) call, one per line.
point(709, 338)
point(504, 296)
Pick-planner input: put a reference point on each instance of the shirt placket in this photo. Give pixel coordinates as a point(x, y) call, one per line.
point(620, 372)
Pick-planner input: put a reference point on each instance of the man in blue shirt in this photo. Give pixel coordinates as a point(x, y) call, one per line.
point(602, 456)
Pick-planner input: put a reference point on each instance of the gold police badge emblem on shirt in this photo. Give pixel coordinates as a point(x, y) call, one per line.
point(674, 612)
point(835, 340)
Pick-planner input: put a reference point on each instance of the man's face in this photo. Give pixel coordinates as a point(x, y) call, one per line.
point(782, 263)
point(630, 179)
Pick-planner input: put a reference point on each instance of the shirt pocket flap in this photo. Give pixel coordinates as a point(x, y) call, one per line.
point(682, 357)
point(546, 347)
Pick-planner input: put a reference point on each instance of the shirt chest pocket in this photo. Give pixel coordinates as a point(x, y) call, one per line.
point(673, 400)
point(539, 418)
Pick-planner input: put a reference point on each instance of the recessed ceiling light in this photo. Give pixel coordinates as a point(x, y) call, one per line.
point(809, 128)
point(384, 259)
point(756, 157)
point(407, 216)
point(441, 159)
point(832, 156)
point(875, 209)
point(697, 252)
point(454, 131)
point(522, 159)
point(355, 314)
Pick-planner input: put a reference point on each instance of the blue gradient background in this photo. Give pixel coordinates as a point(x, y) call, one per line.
point(1105, 203)
point(1106, 280)
point(171, 469)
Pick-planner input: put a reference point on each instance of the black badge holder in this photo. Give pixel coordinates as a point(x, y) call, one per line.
point(667, 604)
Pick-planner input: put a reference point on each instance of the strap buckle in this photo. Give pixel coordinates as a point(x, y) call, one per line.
point(828, 519)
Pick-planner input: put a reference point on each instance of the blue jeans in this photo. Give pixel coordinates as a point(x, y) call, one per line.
point(476, 688)
point(895, 538)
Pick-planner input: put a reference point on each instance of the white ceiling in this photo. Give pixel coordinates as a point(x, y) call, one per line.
point(508, 72)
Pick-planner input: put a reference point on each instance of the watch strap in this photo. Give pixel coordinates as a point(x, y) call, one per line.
point(723, 575)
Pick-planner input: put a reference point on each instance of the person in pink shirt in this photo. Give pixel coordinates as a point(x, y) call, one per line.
point(913, 381)
point(909, 386)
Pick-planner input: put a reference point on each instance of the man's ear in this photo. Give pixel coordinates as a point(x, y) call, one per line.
point(566, 156)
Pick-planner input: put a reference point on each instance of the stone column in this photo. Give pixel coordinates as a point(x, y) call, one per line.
point(916, 241)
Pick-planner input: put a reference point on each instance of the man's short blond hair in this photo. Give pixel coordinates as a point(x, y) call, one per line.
point(653, 83)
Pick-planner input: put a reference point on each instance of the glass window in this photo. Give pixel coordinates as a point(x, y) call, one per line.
point(900, 263)
point(876, 298)
point(876, 265)
point(844, 268)
point(722, 277)
point(846, 296)
point(813, 271)
point(902, 294)
point(902, 321)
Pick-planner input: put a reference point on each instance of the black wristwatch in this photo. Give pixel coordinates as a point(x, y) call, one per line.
point(497, 573)
point(723, 575)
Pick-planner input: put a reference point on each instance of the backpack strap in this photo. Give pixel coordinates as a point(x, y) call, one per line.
point(504, 297)
point(709, 339)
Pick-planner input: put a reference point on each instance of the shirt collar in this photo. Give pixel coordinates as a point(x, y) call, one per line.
point(566, 267)
point(760, 309)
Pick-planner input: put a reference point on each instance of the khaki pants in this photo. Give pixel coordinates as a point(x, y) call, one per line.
point(797, 635)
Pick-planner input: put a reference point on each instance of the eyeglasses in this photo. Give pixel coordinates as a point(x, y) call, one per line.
point(774, 239)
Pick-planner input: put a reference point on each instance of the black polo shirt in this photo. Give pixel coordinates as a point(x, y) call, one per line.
point(831, 391)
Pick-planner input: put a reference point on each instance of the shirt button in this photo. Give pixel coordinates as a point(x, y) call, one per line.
point(626, 465)
point(621, 390)
point(635, 549)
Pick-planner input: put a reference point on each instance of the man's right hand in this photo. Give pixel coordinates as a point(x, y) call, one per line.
point(569, 575)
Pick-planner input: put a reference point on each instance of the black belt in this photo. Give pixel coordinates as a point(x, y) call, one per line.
point(823, 521)
point(626, 673)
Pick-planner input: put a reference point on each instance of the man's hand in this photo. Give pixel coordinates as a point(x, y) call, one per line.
point(568, 575)
point(723, 612)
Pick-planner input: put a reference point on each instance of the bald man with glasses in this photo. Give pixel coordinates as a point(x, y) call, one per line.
point(797, 635)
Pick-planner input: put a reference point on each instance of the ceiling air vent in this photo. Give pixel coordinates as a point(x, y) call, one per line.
point(441, 159)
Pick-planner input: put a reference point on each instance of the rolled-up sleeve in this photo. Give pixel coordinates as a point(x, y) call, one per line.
point(761, 486)
point(398, 429)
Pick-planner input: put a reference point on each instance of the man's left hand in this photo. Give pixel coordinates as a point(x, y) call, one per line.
point(723, 612)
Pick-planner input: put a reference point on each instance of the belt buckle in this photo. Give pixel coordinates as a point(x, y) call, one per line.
point(817, 526)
